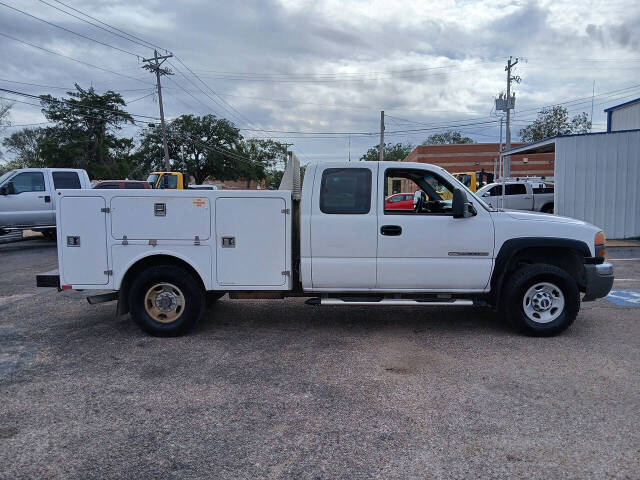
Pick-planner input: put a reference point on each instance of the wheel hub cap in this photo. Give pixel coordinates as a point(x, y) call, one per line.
point(164, 302)
point(543, 302)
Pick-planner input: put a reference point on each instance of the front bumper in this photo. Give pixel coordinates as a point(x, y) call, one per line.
point(599, 281)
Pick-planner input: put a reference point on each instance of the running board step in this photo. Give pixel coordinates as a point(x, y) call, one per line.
point(381, 302)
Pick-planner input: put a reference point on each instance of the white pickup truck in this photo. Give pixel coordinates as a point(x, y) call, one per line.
point(519, 195)
point(162, 254)
point(28, 200)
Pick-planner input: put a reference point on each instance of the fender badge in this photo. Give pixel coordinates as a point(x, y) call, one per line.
point(199, 202)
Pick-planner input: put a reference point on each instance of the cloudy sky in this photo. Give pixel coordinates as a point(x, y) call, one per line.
point(276, 67)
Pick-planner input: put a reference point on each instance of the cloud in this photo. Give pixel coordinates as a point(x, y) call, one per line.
point(431, 62)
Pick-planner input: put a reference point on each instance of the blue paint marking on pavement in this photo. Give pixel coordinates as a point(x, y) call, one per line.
point(625, 298)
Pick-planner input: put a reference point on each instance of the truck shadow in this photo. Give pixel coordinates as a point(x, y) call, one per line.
point(294, 314)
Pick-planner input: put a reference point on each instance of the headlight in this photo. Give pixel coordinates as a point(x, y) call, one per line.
point(599, 243)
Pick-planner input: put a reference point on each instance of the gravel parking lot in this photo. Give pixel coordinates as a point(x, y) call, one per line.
point(269, 389)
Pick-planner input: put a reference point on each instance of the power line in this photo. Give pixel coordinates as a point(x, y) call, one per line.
point(70, 31)
point(71, 58)
point(67, 102)
point(144, 42)
point(64, 88)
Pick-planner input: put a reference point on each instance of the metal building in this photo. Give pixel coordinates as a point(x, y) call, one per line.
point(597, 178)
point(625, 116)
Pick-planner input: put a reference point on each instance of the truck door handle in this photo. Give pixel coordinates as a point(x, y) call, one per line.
point(391, 230)
point(47, 198)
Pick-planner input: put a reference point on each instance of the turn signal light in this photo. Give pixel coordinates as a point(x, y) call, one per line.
point(599, 242)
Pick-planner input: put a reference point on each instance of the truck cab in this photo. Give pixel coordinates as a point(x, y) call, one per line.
point(519, 195)
point(167, 180)
point(28, 200)
point(335, 240)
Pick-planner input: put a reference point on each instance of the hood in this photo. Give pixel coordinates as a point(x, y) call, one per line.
point(542, 217)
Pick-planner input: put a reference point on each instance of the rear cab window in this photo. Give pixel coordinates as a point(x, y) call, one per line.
point(345, 191)
point(134, 186)
point(515, 189)
point(62, 180)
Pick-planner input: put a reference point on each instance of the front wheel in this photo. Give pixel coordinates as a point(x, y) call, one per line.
point(541, 300)
point(166, 300)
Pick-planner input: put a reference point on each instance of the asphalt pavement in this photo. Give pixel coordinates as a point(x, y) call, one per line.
point(279, 389)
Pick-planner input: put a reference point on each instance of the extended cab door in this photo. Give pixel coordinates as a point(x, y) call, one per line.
point(518, 196)
point(344, 227)
point(28, 200)
point(427, 249)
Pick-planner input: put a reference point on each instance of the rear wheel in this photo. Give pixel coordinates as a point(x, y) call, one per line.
point(50, 234)
point(548, 208)
point(166, 300)
point(541, 300)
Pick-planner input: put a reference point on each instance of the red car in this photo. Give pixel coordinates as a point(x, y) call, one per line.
point(399, 201)
point(118, 184)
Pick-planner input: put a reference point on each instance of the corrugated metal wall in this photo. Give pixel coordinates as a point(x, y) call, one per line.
point(626, 118)
point(597, 179)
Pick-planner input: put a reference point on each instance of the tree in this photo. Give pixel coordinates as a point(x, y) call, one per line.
point(447, 138)
point(24, 145)
point(264, 155)
point(392, 152)
point(207, 147)
point(5, 108)
point(555, 121)
point(84, 133)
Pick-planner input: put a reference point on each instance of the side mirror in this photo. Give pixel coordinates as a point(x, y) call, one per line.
point(461, 206)
point(7, 189)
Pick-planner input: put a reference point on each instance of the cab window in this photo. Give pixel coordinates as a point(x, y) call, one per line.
point(345, 191)
point(515, 189)
point(63, 180)
point(28, 182)
point(432, 194)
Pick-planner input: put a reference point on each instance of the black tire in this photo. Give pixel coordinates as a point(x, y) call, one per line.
point(187, 292)
point(548, 208)
point(522, 283)
point(213, 296)
point(50, 234)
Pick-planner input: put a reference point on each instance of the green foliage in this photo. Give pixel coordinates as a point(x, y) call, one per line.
point(84, 133)
point(447, 138)
point(392, 152)
point(555, 121)
point(24, 145)
point(207, 147)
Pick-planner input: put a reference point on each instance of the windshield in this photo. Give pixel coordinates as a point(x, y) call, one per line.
point(6, 175)
point(152, 179)
point(470, 194)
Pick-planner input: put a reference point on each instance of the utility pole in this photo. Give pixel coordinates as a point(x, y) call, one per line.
point(286, 153)
point(500, 164)
point(510, 105)
point(593, 94)
point(381, 135)
point(154, 65)
point(349, 147)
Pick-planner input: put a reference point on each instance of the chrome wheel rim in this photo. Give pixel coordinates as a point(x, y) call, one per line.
point(164, 302)
point(543, 302)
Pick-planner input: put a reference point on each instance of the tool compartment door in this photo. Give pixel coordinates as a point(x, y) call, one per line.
point(251, 241)
point(160, 218)
point(83, 241)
